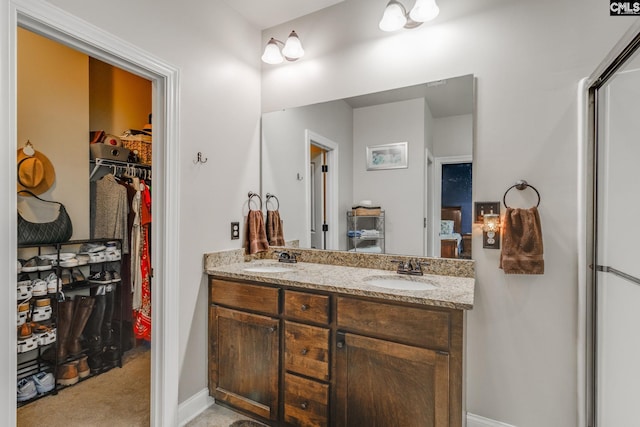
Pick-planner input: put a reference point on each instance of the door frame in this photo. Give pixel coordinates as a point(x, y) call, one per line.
point(437, 195)
point(311, 137)
point(60, 26)
point(429, 214)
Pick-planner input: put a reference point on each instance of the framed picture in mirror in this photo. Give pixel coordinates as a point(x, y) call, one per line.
point(387, 156)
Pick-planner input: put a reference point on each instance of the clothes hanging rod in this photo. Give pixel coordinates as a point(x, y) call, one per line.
point(607, 269)
point(110, 163)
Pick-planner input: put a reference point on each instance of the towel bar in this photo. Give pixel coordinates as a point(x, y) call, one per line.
point(251, 196)
point(520, 185)
point(272, 196)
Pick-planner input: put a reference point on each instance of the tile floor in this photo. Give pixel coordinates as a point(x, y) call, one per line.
point(219, 416)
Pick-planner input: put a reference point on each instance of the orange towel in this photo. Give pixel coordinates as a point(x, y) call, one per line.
point(522, 251)
point(274, 228)
point(256, 235)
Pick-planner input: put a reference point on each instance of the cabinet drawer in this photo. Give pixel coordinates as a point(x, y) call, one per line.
point(305, 402)
point(258, 298)
point(306, 307)
point(306, 350)
point(409, 325)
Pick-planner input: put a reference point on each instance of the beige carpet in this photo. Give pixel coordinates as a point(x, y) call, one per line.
point(116, 398)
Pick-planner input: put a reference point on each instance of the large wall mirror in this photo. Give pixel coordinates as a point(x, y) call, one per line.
point(407, 151)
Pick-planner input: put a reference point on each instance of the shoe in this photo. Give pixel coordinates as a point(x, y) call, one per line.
point(23, 313)
point(83, 259)
point(19, 267)
point(92, 247)
point(44, 382)
point(27, 344)
point(42, 310)
point(68, 373)
point(101, 277)
point(65, 275)
point(44, 264)
point(25, 290)
point(115, 277)
point(26, 389)
point(113, 254)
point(30, 265)
point(71, 262)
point(96, 257)
point(45, 335)
point(54, 284)
point(83, 367)
point(77, 275)
point(25, 331)
point(39, 288)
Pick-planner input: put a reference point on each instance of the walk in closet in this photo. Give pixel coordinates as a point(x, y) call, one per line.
point(93, 124)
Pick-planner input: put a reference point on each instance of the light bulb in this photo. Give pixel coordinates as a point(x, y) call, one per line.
point(272, 53)
point(292, 49)
point(394, 17)
point(424, 10)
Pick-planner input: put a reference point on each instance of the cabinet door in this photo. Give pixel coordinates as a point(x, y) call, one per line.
point(380, 383)
point(245, 357)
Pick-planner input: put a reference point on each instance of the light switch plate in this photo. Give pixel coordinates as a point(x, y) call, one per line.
point(485, 207)
point(235, 230)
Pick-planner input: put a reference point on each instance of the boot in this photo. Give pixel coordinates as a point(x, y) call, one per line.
point(111, 352)
point(83, 307)
point(68, 373)
point(65, 314)
point(92, 333)
point(83, 367)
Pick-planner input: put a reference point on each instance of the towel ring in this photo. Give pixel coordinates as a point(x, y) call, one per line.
point(520, 185)
point(251, 196)
point(272, 196)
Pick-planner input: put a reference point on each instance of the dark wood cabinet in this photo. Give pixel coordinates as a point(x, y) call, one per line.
point(314, 359)
point(244, 361)
point(381, 383)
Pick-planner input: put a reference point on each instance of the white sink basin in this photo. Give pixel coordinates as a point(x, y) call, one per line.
point(408, 283)
point(267, 269)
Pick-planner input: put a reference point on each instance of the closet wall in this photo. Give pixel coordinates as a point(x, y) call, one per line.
point(62, 95)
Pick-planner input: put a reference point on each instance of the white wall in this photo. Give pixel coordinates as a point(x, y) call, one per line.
point(400, 192)
point(528, 57)
point(453, 136)
point(219, 116)
point(284, 157)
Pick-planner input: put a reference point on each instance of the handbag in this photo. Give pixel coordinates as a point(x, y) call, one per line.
point(38, 233)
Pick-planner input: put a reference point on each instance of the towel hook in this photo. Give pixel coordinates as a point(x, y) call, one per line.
point(272, 196)
point(251, 196)
point(520, 185)
point(199, 159)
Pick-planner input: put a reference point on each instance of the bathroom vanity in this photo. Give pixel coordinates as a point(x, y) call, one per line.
point(312, 344)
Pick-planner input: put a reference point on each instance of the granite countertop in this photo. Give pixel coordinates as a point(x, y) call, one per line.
point(451, 292)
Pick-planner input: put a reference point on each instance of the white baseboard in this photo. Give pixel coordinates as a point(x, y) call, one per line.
point(478, 421)
point(194, 406)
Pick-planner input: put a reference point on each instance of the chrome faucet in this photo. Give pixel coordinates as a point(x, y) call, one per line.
point(289, 257)
point(412, 267)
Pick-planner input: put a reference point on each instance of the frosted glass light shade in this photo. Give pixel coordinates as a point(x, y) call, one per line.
point(394, 17)
point(424, 10)
point(292, 49)
point(272, 53)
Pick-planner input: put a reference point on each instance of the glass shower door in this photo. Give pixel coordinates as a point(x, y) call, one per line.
point(617, 249)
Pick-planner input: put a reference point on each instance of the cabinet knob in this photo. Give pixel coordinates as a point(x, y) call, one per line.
point(304, 405)
point(304, 307)
point(304, 351)
point(272, 329)
point(340, 344)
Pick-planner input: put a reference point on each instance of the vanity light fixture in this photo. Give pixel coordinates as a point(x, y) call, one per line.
point(291, 50)
point(491, 231)
point(395, 15)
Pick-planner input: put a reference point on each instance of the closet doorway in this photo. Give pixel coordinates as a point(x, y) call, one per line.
point(59, 26)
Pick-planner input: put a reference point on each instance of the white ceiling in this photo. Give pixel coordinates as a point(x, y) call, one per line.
point(269, 13)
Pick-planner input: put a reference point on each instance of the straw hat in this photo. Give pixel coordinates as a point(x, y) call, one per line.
point(35, 173)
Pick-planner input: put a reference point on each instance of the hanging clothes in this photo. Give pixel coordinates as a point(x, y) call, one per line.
point(142, 316)
point(110, 214)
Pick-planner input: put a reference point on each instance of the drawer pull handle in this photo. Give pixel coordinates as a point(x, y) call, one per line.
point(340, 344)
point(304, 307)
point(272, 329)
point(304, 351)
point(304, 405)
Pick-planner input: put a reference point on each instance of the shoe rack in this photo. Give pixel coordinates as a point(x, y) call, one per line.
point(66, 326)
